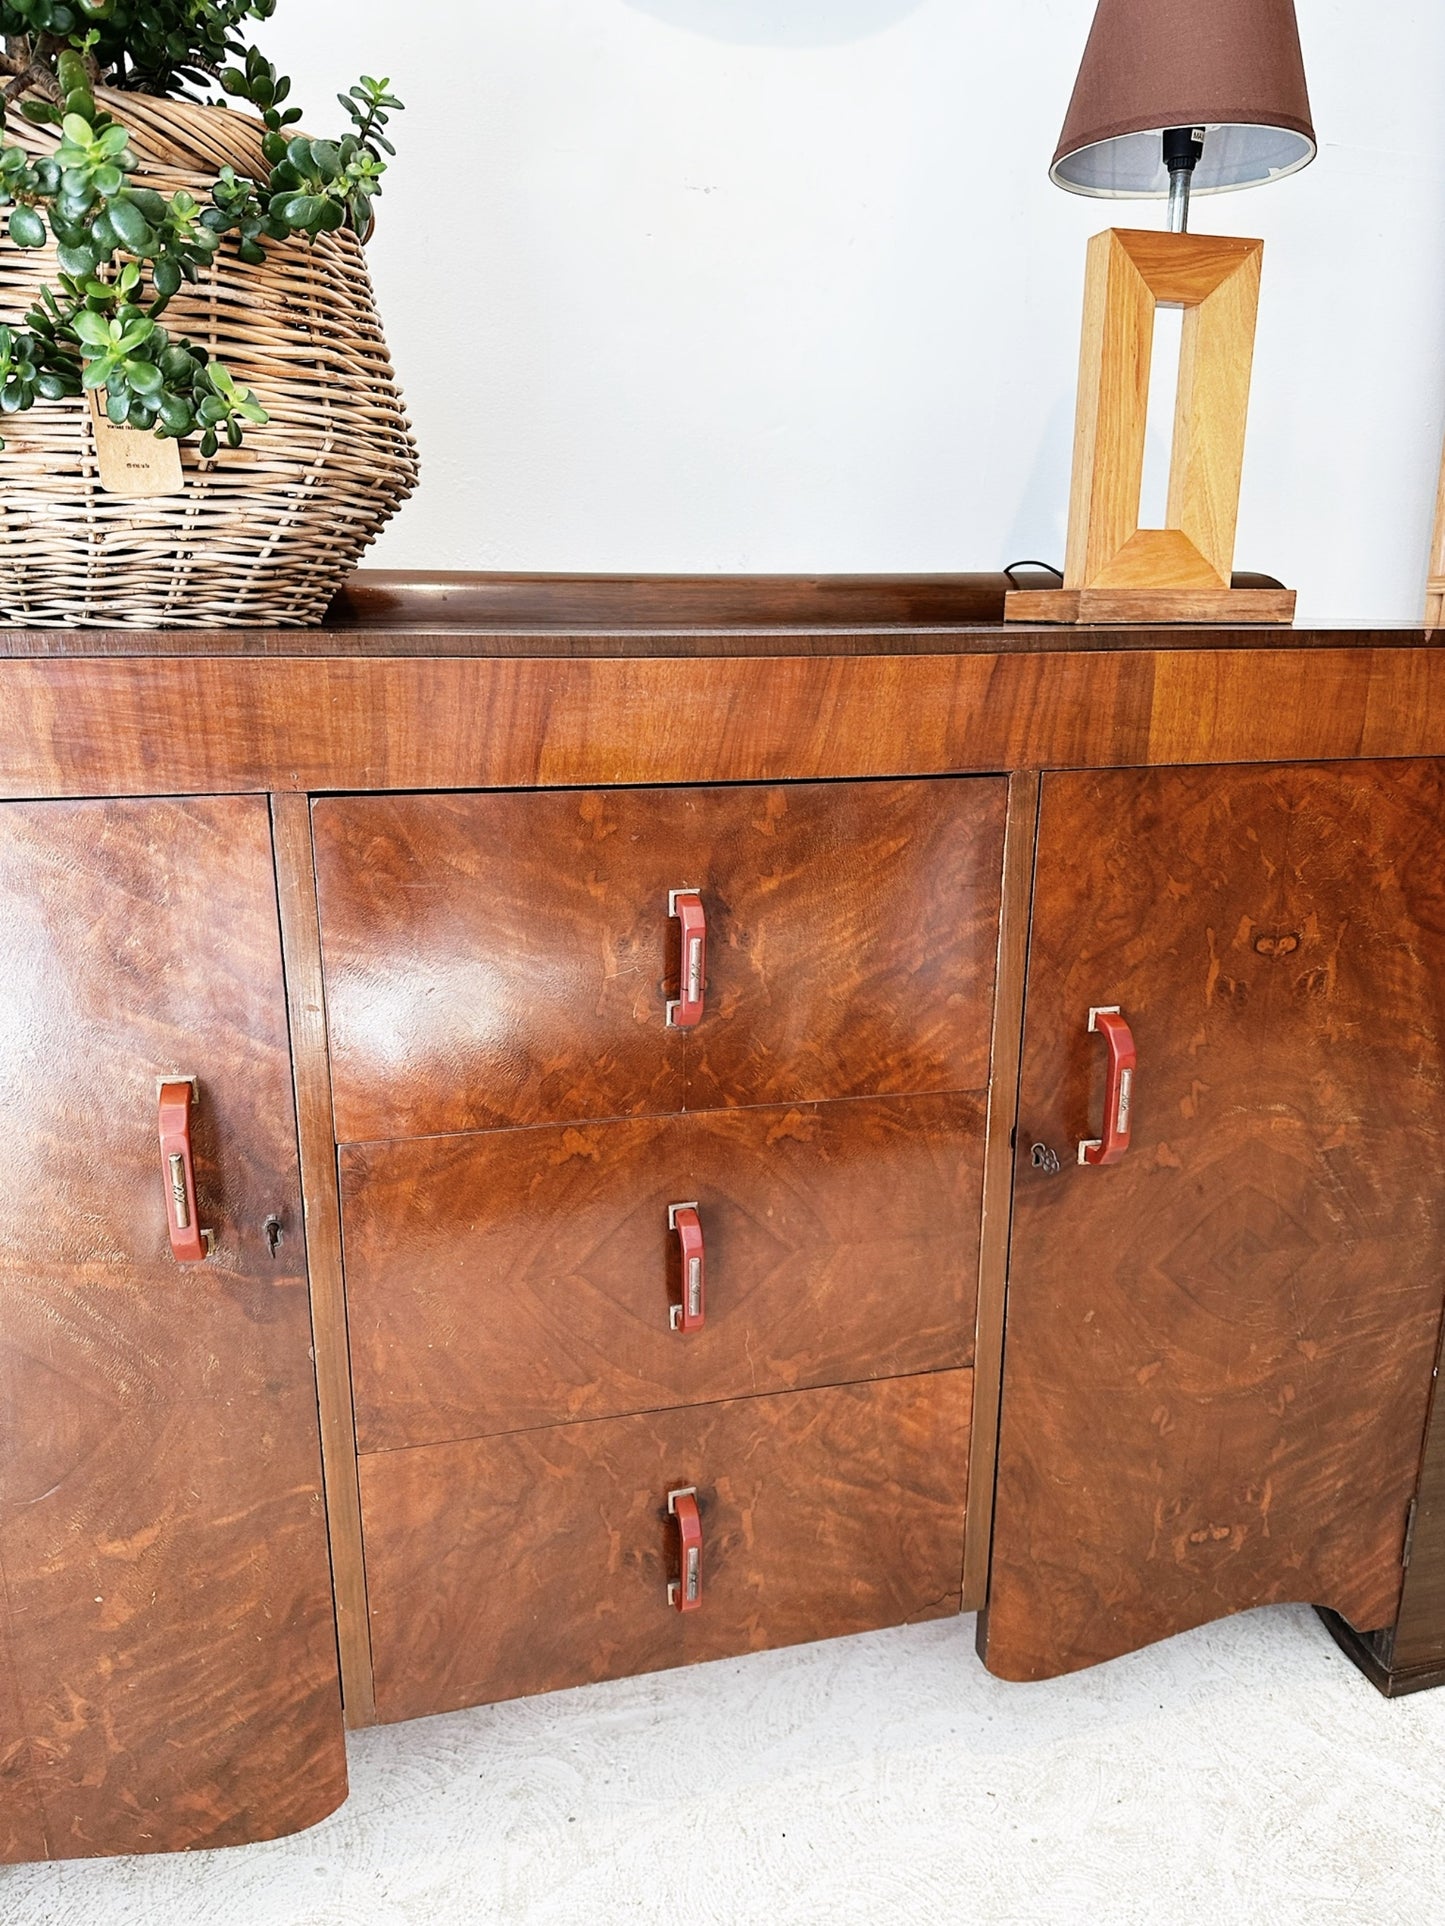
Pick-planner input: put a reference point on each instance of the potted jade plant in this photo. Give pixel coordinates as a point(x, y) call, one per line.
point(200, 423)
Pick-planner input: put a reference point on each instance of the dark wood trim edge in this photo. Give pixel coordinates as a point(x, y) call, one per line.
point(1020, 835)
point(1394, 1682)
point(1418, 1638)
point(306, 1009)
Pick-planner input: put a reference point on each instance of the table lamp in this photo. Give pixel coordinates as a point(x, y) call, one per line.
point(1174, 98)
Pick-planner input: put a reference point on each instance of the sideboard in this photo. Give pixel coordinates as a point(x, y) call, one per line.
point(558, 1127)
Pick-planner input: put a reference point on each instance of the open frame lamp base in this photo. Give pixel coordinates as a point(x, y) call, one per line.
point(1115, 571)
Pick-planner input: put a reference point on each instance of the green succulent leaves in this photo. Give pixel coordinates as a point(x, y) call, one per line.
point(124, 251)
point(23, 380)
point(27, 229)
point(148, 46)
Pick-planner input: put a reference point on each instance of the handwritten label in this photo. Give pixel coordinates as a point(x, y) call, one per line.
point(134, 463)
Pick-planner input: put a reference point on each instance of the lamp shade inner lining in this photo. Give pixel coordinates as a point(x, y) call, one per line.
point(1131, 166)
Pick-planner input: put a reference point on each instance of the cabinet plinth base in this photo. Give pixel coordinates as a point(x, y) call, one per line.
point(1150, 605)
point(1362, 1649)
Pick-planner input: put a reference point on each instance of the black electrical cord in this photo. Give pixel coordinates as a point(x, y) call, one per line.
point(1047, 567)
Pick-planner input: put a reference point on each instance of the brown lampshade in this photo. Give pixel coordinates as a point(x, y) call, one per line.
point(1230, 66)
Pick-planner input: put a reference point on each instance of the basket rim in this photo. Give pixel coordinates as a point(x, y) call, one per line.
point(171, 134)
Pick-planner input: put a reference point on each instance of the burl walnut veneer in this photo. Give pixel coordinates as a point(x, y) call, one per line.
point(1246, 1309)
point(494, 960)
point(823, 1512)
point(542, 1338)
point(171, 1658)
point(841, 1243)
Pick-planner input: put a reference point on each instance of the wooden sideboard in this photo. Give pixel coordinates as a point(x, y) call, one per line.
point(617, 1055)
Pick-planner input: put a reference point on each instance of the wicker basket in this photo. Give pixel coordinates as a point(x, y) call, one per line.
point(264, 535)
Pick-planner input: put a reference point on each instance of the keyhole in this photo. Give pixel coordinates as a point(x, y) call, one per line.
point(274, 1234)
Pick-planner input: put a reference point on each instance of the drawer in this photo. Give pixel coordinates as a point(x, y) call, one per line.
point(507, 959)
point(526, 1277)
point(506, 1566)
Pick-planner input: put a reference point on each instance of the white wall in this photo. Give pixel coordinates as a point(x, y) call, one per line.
point(783, 284)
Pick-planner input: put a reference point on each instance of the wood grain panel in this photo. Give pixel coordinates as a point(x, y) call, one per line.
point(1116, 346)
point(513, 1565)
point(1212, 407)
point(524, 1278)
point(22, 1816)
point(311, 1072)
point(116, 727)
point(162, 1539)
point(1226, 700)
point(1155, 606)
point(1219, 1351)
point(496, 960)
point(853, 930)
point(128, 726)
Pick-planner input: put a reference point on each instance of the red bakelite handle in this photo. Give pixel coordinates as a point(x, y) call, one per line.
point(686, 1591)
point(189, 1243)
point(691, 1313)
point(1118, 1088)
point(686, 906)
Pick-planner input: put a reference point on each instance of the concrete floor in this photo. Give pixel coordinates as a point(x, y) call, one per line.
point(1245, 1773)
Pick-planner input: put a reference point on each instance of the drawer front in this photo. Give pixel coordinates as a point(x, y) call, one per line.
point(526, 1277)
point(506, 1566)
point(507, 959)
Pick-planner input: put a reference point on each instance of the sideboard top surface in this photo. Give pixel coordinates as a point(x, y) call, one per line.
point(380, 613)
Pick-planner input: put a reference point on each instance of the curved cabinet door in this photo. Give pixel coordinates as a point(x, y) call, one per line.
point(1220, 1334)
point(167, 1652)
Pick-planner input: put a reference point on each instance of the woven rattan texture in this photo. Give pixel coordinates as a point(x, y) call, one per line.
point(264, 535)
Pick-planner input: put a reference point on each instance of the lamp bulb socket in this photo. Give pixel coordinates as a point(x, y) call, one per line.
point(1183, 148)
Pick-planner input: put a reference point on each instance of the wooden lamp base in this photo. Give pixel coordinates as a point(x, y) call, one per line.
point(1115, 571)
point(1123, 606)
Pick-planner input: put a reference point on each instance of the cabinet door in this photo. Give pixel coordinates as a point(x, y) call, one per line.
point(167, 1650)
point(1219, 1348)
point(508, 959)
